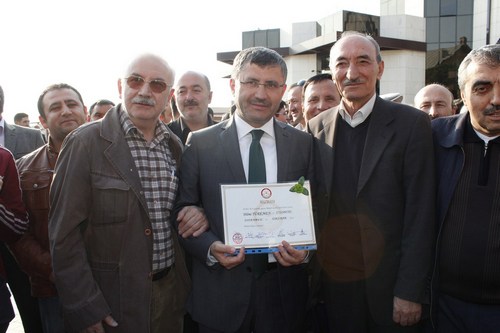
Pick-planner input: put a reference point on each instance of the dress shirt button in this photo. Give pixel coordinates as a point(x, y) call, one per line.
point(147, 232)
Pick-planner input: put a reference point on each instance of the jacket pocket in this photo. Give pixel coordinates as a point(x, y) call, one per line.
point(110, 200)
point(35, 188)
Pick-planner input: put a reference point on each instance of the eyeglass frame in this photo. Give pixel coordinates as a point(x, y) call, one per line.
point(144, 81)
point(268, 86)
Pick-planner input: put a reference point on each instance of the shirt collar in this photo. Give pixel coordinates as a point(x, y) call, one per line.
point(359, 116)
point(243, 128)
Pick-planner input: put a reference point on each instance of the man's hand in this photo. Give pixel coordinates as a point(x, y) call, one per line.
point(288, 255)
point(406, 313)
point(98, 327)
point(225, 254)
point(192, 221)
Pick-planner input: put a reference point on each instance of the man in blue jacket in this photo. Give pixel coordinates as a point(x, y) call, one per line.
point(467, 148)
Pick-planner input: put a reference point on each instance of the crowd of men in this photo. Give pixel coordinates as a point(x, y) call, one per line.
point(115, 222)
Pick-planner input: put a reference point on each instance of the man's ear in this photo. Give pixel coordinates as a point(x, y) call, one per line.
point(43, 122)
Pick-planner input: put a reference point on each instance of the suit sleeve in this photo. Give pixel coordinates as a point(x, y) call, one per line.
point(70, 197)
point(418, 236)
point(190, 194)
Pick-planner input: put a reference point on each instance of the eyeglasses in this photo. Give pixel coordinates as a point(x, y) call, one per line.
point(156, 86)
point(269, 86)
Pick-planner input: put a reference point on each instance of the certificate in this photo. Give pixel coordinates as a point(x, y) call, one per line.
point(260, 216)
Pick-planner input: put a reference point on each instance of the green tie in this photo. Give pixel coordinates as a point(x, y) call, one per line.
point(256, 160)
point(257, 175)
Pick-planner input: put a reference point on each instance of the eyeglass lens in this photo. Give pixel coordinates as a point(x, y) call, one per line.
point(136, 82)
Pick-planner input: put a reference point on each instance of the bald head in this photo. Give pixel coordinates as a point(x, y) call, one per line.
point(436, 100)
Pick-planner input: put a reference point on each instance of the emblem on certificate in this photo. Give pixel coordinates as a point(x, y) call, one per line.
point(260, 216)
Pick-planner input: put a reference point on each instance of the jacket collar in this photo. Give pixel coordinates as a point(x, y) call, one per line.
point(449, 131)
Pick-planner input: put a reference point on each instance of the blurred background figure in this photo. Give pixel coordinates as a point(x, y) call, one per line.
point(22, 119)
point(436, 100)
point(294, 100)
point(320, 94)
point(281, 114)
point(99, 109)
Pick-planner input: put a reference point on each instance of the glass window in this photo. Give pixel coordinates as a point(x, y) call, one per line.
point(432, 29)
point(465, 7)
point(261, 38)
point(447, 30)
point(247, 39)
point(448, 7)
point(464, 28)
point(431, 8)
point(273, 38)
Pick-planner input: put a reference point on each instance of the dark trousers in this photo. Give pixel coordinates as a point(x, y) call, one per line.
point(20, 287)
point(456, 316)
point(347, 311)
point(265, 313)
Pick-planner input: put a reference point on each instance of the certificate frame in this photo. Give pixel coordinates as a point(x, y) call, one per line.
point(260, 216)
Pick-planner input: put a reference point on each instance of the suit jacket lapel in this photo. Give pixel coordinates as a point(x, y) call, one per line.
point(119, 156)
point(284, 156)
point(378, 137)
point(231, 149)
point(327, 156)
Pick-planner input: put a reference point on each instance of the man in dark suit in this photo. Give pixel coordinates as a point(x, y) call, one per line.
point(20, 141)
point(227, 294)
point(375, 176)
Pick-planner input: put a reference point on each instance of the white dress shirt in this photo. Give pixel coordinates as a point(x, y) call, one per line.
point(360, 115)
point(268, 143)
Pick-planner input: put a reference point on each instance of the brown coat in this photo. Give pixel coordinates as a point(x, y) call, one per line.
point(100, 232)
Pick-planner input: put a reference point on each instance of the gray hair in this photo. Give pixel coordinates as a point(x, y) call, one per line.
point(488, 55)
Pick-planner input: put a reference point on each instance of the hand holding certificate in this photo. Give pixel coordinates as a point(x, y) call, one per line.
point(260, 216)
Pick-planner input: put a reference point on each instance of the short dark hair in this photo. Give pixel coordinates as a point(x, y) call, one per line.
point(98, 103)
point(315, 79)
point(260, 56)
point(19, 116)
point(57, 86)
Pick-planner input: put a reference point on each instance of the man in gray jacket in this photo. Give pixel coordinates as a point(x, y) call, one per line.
point(116, 258)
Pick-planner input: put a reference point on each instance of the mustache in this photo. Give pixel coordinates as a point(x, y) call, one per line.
point(261, 102)
point(144, 100)
point(491, 110)
point(191, 102)
point(348, 82)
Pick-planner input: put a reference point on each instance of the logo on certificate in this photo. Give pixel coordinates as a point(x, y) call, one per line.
point(266, 193)
point(237, 238)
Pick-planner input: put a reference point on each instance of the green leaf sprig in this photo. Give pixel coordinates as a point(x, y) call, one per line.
point(299, 187)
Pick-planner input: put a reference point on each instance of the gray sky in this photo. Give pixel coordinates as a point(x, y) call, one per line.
point(87, 44)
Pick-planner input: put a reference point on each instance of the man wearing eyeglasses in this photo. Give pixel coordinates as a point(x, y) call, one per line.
point(229, 293)
point(117, 262)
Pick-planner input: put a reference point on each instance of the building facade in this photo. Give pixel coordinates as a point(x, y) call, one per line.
point(422, 41)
